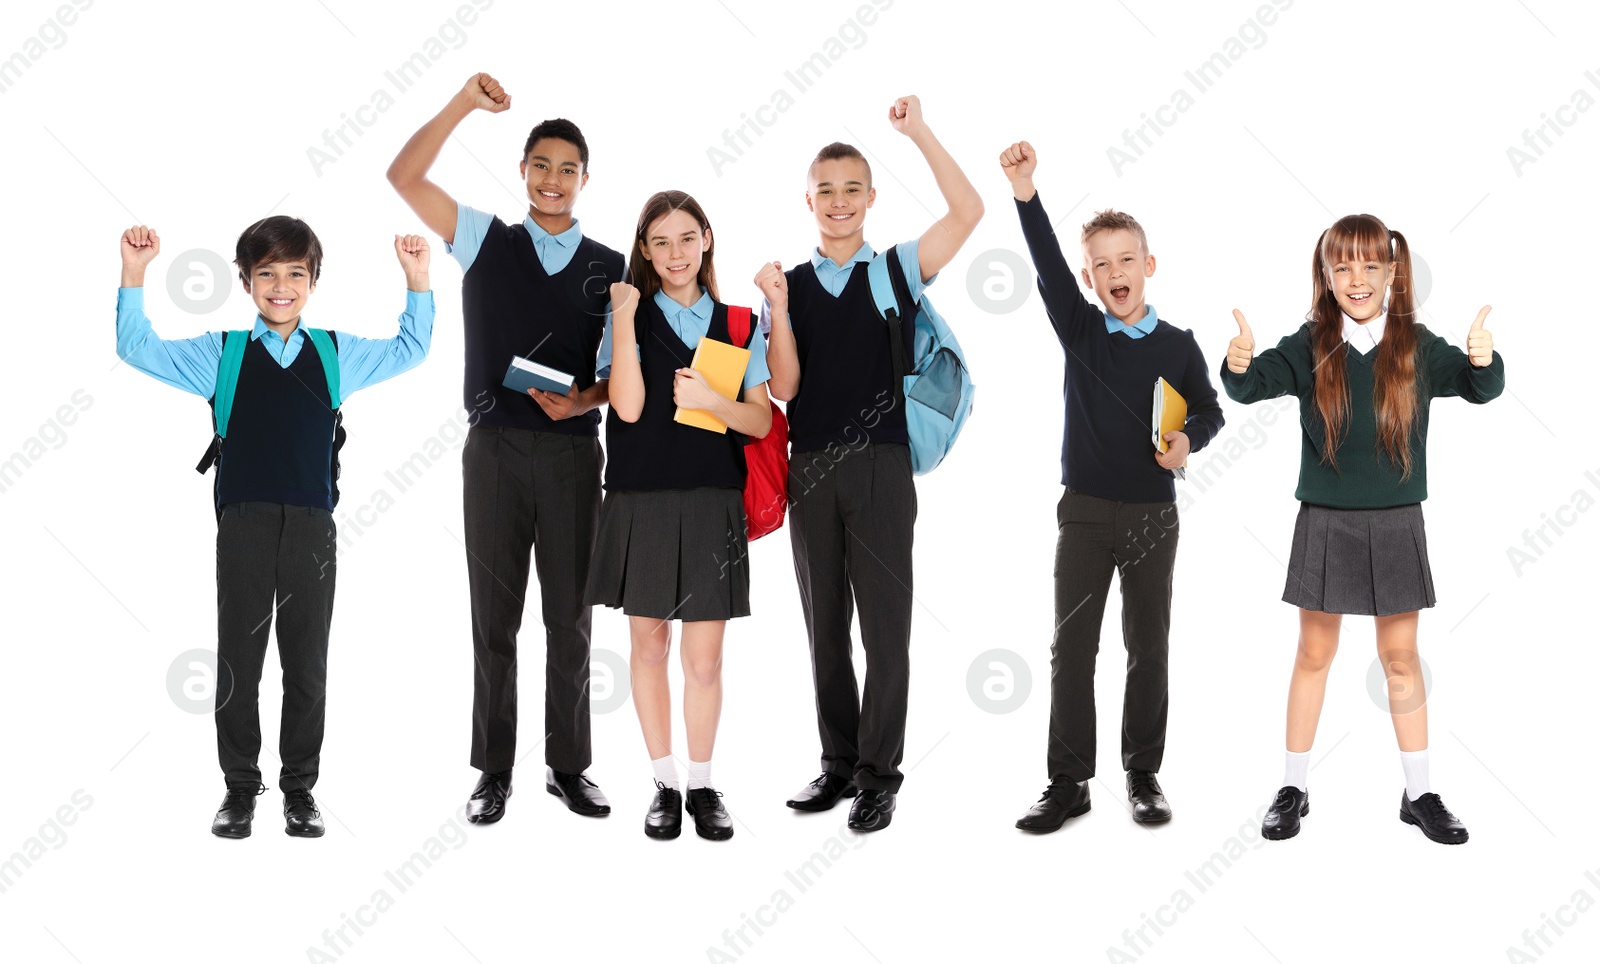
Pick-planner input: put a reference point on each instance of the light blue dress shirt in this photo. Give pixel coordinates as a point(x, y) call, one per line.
point(691, 324)
point(1138, 329)
point(835, 276)
point(191, 363)
point(554, 250)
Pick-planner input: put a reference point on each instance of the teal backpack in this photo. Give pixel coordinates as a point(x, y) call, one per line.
point(935, 383)
point(233, 345)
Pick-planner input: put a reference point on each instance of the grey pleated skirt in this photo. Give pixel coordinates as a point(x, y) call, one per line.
point(1367, 562)
point(672, 554)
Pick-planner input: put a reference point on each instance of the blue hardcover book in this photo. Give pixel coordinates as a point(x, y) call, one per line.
point(524, 374)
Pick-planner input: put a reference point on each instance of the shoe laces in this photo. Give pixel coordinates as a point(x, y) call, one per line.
point(1284, 800)
point(820, 781)
point(1144, 780)
point(1435, 807)
point(705, 797)
point(242, 798)
point(301, 796)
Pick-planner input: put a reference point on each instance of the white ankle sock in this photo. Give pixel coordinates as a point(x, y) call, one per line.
point(699, 774)
point(1415, 763)
point(666, 771)
point(1294, 769)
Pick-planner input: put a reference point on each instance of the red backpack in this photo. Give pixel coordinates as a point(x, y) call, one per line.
point(766, 484)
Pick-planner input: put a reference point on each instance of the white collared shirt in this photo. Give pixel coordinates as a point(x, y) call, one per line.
point(1364, 337)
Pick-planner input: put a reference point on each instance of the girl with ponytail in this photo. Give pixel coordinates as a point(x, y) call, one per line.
point(1365, 372)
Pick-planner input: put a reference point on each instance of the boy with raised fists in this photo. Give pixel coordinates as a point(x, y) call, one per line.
point(277, 394)
point(1118, 510)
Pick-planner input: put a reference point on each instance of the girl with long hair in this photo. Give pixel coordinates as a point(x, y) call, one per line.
point(1365, 372)
point(672, 542)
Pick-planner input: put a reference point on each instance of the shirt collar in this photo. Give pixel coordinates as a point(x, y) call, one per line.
point(566, 239)
point(700, 309)
point(1364, 338)
point(260, 330)
point(1143, 326)
point(863, 253)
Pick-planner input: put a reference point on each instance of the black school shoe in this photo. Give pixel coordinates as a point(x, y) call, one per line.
point(1429, 814)
point(664, 820)
point(237, 812)
point(488, 801)
point(711, 819)
point(1283, 820)
point(301, 818)
point(872, 810)
point(822, 793)
point(1148, 802)
point(1062, 799)
point(578, 792)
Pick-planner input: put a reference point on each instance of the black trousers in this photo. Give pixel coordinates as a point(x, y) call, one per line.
point(850, 525)
point(275, 563)
point(1139, 540)
point(540, 492)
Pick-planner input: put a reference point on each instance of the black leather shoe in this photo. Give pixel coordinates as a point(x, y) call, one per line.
point(1283, 820)
point(1144, 793)
point(238, 810)
point(488, 801)
point(1061, 800)
point(578, 792)
point(301, 817)
point(664, 820)
point(872, 810)
point(822, 793)
point(1429, 814)
point(711, 819)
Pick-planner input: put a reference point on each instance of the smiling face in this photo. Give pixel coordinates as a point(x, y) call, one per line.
point(555, 175)
point(840, 191)
point(1115, 266)
point(280, 290)
point(675, 246)
point(1360, 286)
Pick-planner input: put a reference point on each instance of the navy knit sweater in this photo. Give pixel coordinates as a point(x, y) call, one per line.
point(1110, 381)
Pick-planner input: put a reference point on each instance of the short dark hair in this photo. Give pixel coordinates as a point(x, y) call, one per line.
point(276, 239)
point(561, 129)
point(837, 150)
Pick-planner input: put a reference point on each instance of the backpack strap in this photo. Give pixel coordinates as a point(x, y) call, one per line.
point(233, 345)
point(329, 356)
point(738, 326)
point(892, 296)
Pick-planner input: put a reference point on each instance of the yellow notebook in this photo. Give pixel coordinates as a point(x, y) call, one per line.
point(1167, 415)
point(723, 365)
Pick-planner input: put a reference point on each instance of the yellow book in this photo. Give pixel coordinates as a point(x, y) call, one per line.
point(1167, 415)
point(723, 365)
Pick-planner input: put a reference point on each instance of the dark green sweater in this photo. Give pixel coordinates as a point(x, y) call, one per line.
point(1365, 479)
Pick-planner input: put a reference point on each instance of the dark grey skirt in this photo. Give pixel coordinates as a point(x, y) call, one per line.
point(672, 554)
point(1366, 562)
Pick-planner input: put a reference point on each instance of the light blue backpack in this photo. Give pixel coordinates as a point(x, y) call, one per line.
point(936, 385)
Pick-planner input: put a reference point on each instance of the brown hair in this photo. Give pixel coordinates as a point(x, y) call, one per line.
point(836, 151)
point(1395, 397)
point(1112, 220)
point(662, 203)
point(279, 238)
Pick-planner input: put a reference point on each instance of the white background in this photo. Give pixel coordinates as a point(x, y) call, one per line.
point(197, 119)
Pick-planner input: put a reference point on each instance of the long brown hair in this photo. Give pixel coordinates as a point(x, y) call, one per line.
point(1396, 402)
point(641, 274)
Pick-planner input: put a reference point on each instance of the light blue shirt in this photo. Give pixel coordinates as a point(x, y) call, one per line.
point(691, 324)
point(191, 363)
point(1138, 329)
point(834, 276)
point(554, 250)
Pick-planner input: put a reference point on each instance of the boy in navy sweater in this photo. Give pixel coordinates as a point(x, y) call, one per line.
point(531, 467)
point(1118, 511)
point(276, 486)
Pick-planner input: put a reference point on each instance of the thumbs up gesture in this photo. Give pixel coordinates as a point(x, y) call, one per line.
point(1480, 344)
point(1243, 346)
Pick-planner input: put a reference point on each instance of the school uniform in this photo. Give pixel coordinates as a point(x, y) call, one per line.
point(1359, 544)
point(1118, 510)
point(852, 511)
point(275, 489)
point(531, 484)
point(672, 541)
